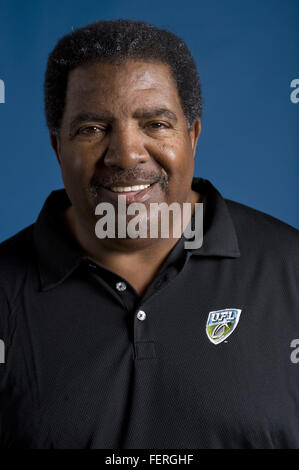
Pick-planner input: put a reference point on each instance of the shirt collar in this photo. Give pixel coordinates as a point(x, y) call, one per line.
point(58, 254)
point(219, 234)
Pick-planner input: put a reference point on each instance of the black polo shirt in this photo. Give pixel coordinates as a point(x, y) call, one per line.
point(91, 364)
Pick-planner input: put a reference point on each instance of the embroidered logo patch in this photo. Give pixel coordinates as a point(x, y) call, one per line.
point(221, 324)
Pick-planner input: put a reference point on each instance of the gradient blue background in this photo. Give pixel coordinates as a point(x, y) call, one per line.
point(247, 53)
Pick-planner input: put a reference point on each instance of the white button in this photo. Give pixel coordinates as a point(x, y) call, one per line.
point(121, 286)
point(141, 315)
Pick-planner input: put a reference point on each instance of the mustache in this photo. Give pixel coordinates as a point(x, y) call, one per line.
point(114, 178)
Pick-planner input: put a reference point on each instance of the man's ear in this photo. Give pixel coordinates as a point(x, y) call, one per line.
point(55, 143)
point(194, 133)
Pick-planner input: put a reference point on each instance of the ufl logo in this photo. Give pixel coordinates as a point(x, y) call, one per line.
point(221, 324)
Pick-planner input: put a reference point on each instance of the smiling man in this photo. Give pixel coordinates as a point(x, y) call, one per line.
point(124, 342)
point(123, 125)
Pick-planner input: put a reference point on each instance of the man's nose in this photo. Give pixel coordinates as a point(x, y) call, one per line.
point(126, 147)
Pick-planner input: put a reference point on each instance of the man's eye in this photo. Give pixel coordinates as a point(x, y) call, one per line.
point(158, 125)
point(90, 130)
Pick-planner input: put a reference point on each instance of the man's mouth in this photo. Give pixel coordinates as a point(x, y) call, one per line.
point(126, 189)
point(133, 193)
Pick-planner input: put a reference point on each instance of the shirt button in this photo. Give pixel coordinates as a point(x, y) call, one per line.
point(141, 315)
point(92, 265)
point(121, 286)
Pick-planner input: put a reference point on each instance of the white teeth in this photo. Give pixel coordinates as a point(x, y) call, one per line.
point(121, 189)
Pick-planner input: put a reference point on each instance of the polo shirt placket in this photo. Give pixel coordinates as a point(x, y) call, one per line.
point(139, 307)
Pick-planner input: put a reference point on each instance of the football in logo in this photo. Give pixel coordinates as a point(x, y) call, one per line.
point(221, 324)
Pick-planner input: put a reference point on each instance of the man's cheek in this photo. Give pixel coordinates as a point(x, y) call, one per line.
point(75, 163)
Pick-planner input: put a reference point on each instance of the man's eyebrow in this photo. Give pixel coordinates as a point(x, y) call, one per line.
point(83, 117)
point(147, 113)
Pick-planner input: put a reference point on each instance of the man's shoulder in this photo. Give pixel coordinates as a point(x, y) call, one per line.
point(262, 229)
point(16, 253)
point(17, 243)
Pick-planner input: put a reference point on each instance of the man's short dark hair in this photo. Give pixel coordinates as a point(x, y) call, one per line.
point(114, 42)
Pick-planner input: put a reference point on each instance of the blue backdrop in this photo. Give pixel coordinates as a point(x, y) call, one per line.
point(247, 53)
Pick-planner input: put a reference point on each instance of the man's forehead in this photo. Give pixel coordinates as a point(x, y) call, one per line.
point(125, 87)
point(129, 74)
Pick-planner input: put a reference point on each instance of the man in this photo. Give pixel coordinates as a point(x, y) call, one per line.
point(141, 342)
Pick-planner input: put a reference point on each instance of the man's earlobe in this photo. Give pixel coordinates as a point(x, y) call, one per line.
point(55, 143)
